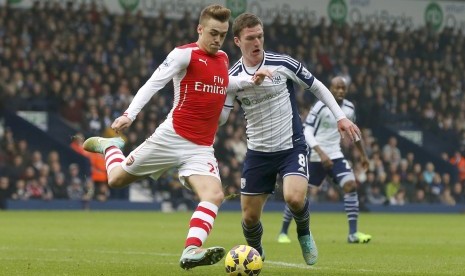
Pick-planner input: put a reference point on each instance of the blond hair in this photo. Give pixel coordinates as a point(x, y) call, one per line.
point(216, 12)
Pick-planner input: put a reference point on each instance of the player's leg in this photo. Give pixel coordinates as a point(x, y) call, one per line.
point(287, 219)
point(295, 195)
point(317, 174)
point(257, 182)
point(351, 206)
point(342, 173)
point(111, 148)
point(294, 169)
point(198, 171)
point(210, 193)
point(252, 208)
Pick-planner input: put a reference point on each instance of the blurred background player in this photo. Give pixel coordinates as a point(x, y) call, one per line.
point(275, 140)
point(327, 159)
point(97, 162)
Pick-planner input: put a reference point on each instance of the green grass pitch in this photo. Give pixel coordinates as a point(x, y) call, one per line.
point(150, 243)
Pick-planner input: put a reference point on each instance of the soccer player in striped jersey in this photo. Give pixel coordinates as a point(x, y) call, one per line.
point(275, 139)
point(327, 159)
point(184, 140)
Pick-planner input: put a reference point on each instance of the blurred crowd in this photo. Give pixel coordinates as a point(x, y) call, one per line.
point(27, 174)
point(86, 65)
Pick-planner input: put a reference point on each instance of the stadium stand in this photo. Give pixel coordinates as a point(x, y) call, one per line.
point(82, 66)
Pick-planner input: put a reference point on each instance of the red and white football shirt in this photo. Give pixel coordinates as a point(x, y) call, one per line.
point(200, 85)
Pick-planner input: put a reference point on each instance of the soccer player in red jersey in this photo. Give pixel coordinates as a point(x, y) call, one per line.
point(184, 140)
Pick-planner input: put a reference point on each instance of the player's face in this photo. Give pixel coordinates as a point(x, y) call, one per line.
point(250, 41)
point(212, 34)
point(339, 90)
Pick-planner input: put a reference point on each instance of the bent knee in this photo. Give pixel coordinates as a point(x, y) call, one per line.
point(217, 197)
point(214, 196)
point(251, 216)
point(295, 201)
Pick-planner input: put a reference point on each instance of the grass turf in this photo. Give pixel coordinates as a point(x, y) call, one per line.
point(150, 243)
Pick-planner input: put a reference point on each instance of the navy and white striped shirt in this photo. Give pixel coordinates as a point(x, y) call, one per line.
point(273, 121)
point(324, 131)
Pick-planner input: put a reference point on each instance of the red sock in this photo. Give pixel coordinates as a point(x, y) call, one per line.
point(201, 223)
point(113, 157)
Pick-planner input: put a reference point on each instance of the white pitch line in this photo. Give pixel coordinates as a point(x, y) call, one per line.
point(273, 263)
point(302, 266)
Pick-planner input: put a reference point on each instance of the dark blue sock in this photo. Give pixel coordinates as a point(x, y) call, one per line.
point(302, 220)
point(351, 208)
point(253, 236)
point(287, 218)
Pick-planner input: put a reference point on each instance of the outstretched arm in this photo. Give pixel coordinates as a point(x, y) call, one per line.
point(177, 60)
point(121, 123)
point(302, 76)
point(345, 125)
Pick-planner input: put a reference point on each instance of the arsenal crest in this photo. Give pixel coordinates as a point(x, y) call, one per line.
point(130, 161)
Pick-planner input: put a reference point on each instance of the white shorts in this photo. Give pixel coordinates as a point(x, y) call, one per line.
point(165, 150)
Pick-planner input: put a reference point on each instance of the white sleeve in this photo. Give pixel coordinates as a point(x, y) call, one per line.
point(309, 137)
point(176, 61)
point(324, 95)
point(295, 71)
point(310, 128)
point(236, 84)
point(299, 74)
point(227, 107)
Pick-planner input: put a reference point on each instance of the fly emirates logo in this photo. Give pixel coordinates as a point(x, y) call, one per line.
point(216, 88)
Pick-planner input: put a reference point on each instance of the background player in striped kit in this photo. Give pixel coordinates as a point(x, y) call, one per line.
point(275, 140)
point(327, 159)
point(184, 140)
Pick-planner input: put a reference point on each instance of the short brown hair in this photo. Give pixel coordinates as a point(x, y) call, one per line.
point(216, 12)
point(245, 20)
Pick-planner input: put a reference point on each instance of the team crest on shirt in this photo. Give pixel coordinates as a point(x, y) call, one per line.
point(305, 73)
point(242, 183)
point(276, 79)
point(130, 161)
